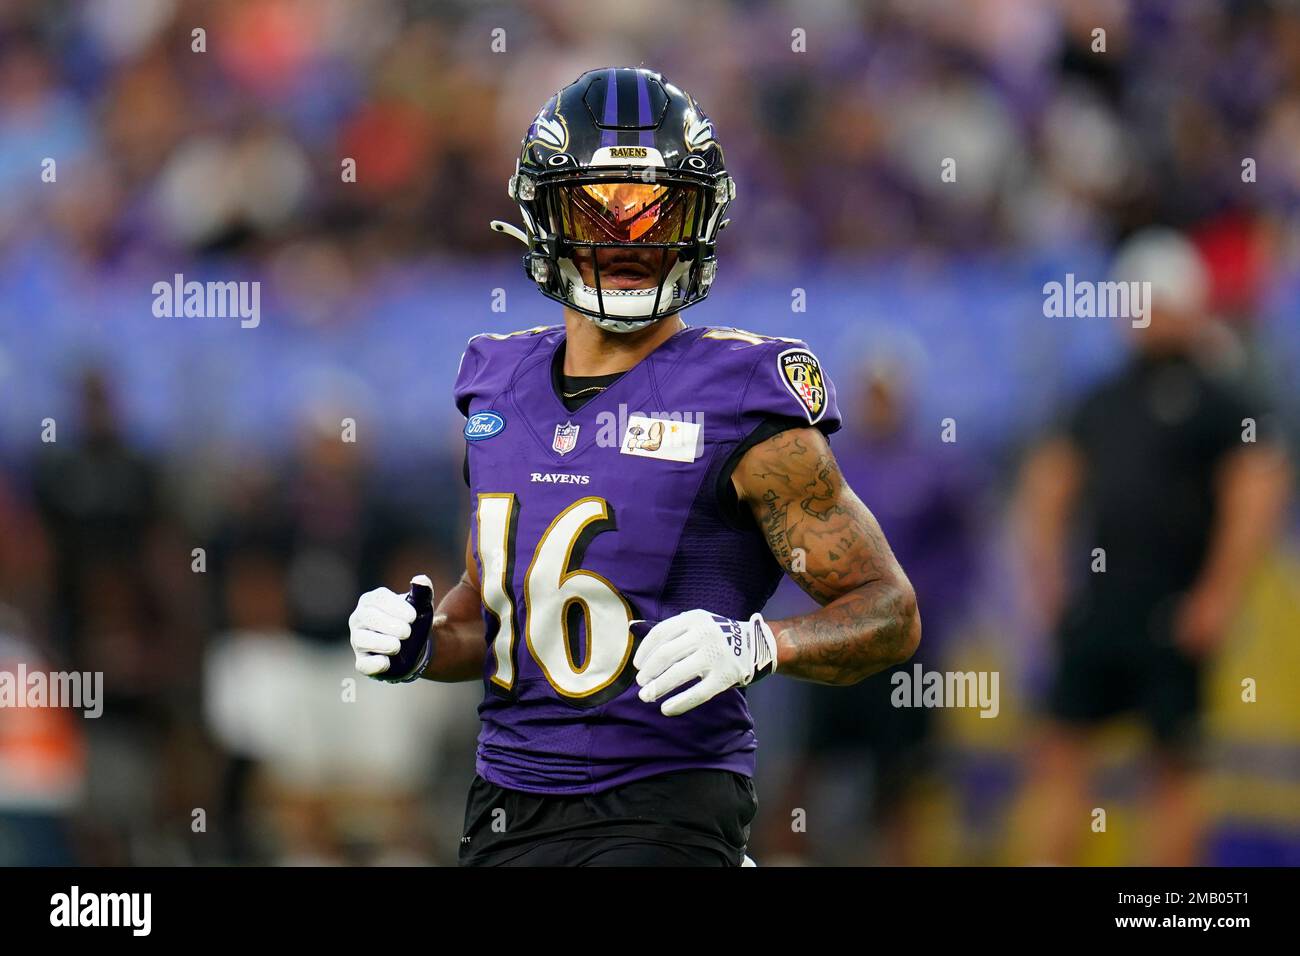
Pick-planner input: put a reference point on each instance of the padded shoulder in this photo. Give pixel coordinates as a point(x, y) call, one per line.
point(784, 378)
point(491, 357)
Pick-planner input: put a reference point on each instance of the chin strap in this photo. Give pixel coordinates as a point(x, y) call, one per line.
point(621, 325)
point(499, 226)
point(611, 321)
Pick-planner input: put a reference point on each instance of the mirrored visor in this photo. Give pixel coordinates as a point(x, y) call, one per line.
point(627, 212)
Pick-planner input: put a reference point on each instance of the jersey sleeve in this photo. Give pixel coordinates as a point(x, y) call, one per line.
point(469, 375)
point(787, 388)
point(787, 383)
point(469, 382)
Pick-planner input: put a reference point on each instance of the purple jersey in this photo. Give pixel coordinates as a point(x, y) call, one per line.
point(585, 521)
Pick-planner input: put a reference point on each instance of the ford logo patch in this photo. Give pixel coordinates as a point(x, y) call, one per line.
point(483, 425)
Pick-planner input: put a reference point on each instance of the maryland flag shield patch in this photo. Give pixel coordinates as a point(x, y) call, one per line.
point(801, 374)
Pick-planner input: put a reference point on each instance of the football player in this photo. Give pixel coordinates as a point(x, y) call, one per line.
point(639, 486)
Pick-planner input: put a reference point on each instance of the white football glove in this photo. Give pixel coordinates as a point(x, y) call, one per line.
point(721, 652)
point(381, 633)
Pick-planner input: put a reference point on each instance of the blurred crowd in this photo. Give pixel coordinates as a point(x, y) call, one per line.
point(1071, 121)
point(179, 511)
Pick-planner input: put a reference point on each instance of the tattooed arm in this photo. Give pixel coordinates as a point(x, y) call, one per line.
point(828, 541)
point(459, 648)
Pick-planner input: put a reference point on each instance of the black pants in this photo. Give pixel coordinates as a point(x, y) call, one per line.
point(683, 818)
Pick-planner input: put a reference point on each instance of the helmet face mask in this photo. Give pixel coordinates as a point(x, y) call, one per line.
point(621, 215)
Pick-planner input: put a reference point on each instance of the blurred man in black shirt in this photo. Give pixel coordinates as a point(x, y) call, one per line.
point(1174, 472)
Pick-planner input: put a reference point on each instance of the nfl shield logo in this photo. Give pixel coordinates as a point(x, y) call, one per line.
point(566, 436)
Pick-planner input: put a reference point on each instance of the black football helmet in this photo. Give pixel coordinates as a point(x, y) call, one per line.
point(621, 159)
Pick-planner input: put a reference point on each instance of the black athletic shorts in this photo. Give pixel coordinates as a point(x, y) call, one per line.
point(850, 723)
point(682, 818)
point(1120, 657)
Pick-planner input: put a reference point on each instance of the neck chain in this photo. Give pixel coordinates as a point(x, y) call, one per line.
point(583, 391)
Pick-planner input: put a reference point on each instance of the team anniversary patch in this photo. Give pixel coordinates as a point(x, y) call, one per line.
point(801, 374)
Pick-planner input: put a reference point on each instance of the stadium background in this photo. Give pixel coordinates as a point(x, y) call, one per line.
point(225, 688)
